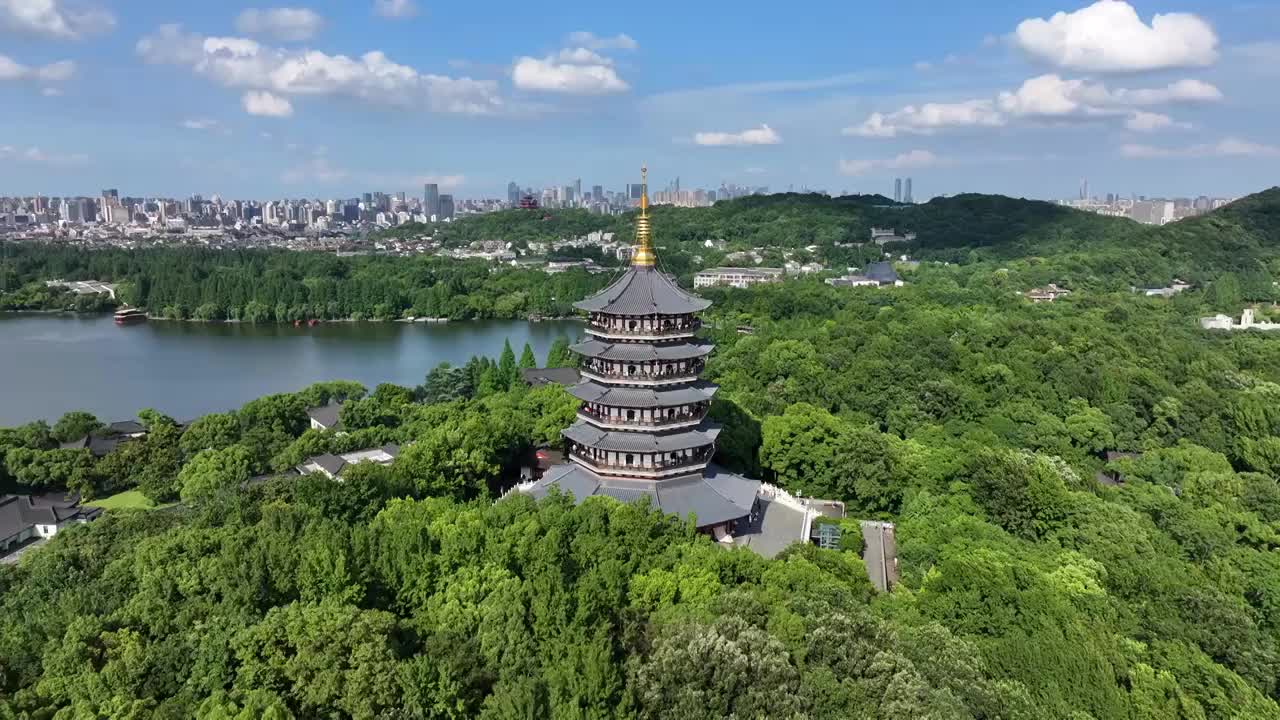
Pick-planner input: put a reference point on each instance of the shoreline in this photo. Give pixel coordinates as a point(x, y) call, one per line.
point(408, 321)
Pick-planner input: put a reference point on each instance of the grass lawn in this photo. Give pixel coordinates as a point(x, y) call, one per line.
point(128, 500)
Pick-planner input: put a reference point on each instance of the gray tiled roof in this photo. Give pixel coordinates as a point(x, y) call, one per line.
point(21, 512)
point(586, 434)
point(326, 415)
point(127, 427)
point(549, 376)
point(882, 272)
point(644, 291)
point(643, 352)
point(332, 464)
point(713, 496)
point(591, 391)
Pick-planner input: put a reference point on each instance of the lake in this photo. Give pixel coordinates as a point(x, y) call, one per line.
point(50, 364)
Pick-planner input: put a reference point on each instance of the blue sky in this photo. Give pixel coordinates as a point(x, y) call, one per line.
point(330, 99)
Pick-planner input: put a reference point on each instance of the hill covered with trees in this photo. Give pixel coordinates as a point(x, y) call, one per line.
point(1086, 494)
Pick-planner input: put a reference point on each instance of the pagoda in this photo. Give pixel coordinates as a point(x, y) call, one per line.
point(642, 428)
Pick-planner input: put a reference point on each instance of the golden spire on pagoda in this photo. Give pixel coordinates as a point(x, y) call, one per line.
point(643, 256)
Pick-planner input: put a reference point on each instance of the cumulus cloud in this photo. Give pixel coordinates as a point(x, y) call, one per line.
point(1227, 147)
point(36, 156)
point(928, 119)
point(763, 135)
point(286, 24)
point(592, 41)
point(1109, 36)
point(1053, 96)
point(11, 69)
point(906, 161)
point(1043, 97)
point(54, 19)
point(568, 76)
point(246, 64)
point(395, 9)
point(1140, 121)
point(264, 104)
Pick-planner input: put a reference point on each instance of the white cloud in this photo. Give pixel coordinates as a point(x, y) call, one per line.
point(11, 69)
point(262, 103)
point(395, 9)
point(51, 92)
point(286, 24)
point(928, 119)
point(1227, 147)
point(763, 135)
point(907, 161)
point(582, 56)
point(1052, 96)
point(35, 155)
point(592, 41)
point(1140, 121)
point(1109, 36)
point(199, 124)
point(553, 74)
point(245, 64)
point(1042, 97)
point(54, 19)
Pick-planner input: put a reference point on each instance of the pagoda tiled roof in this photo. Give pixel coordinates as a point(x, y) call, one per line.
point(713, 495)
point(644, 291)
point(643, 352)
point(584, 433)
point(628, 397)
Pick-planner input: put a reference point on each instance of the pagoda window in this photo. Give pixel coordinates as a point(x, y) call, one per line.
point(631, 325)
point(631, 369)
point(670, 368)
point(631, 414)
point(631, 459)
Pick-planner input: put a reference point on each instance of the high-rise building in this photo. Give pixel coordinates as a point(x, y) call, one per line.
point(513, 193)
point(431, 199)
point(643, 428)
point(897, 189)
point(906, 193)
point(111, 193)
point(577, 188)
point(446, 207)
point(597, 193)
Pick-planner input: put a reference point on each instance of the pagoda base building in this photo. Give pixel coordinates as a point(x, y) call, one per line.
point(642, 429)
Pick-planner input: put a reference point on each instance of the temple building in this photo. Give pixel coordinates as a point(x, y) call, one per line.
point(642, 429)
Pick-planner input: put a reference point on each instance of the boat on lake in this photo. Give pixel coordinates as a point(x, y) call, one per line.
point(130, 316)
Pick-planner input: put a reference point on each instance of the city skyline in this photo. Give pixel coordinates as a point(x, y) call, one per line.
point(329, 98)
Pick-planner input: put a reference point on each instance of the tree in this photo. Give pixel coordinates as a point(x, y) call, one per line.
point(508, 373)
point(212, 472)
point(527, 359)
point(211, 432)
point(445, 384)
point(559, 355)
point(729, 669)
point(75, 425)
point(1023, 492)
point(71, 470)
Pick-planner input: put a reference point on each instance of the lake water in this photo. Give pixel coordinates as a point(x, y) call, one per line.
point(50, 364)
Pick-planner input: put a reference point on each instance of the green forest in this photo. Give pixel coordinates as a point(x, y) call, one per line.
point(1039, 578)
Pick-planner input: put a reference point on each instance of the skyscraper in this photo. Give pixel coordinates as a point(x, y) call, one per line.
point(431, 199)
point(906, 193)
point(513, 193)
point(597, 193)
point(446, 207)
point(897, 189)
point(577, 188)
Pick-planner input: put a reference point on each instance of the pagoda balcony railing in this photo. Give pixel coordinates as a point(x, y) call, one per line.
point(623, 423)
point(669, 331)
point(655, 469)
point(662, 378)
